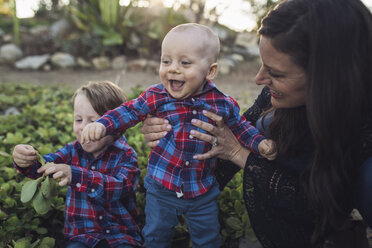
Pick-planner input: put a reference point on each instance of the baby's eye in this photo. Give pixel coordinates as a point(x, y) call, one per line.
point(185, 62)
point(78, 120)
point(165, 61)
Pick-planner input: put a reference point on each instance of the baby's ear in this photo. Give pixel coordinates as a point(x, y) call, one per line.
point(212, 71)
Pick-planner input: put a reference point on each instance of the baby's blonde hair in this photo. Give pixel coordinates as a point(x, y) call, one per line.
point(102, 95)
point(211, 41)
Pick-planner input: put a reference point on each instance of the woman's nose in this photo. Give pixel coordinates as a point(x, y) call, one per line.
point(262, 78)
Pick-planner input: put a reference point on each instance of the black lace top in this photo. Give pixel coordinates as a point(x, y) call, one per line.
point(273, 195)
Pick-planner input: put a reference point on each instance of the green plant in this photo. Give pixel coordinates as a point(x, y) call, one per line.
point(41, 191)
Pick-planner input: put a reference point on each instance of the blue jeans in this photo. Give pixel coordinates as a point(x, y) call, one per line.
point(101, 244)
point(364, 191)
point(163, 207)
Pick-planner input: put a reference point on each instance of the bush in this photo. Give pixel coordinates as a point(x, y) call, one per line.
point(45, 122)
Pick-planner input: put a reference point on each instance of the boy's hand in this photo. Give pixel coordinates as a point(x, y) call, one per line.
point(59, 171)
point(267, 149)
point(24, 155)
point(92, 132)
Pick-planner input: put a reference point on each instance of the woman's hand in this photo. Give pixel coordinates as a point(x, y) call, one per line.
point(154, 129)
point(227, 146)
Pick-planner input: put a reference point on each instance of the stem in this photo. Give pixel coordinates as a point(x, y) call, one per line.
point(17, 39)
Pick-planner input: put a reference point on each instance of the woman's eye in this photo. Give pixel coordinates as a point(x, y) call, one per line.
point(77, 120)
point(274, 75)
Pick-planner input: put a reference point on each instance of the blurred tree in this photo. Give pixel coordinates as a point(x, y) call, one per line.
point(260, 8)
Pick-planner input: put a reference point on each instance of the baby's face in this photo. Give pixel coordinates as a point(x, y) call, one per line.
point(83, 115)
point(185, 64)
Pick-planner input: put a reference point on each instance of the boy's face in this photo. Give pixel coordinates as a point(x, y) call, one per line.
point(185, 65)
point(83, 115)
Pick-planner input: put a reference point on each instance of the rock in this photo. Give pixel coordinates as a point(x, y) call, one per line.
point(225, 65)
point(12, 111)
point(119, 62)
point(10, 53)
point(153, 66)
point(39, 30)
point(63, 60)
point(1, 32)
point(7, 38)
point(249, 41)
point(59, 28)
point(83, 63)
point(101, 63)
point(32, 62)
point(137, 65)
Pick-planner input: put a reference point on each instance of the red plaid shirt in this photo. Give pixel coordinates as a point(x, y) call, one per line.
point(100, 201)
point(171, 162)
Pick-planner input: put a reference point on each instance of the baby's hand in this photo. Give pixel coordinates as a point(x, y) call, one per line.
point(59, 171)
point(24, 155)
point(267, 149)
point(92, 132)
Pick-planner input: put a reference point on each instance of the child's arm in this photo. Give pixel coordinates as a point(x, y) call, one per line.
point(267, 149)
point(92, 132)
point(102, 187)
point(119, 119)
point(24, 155)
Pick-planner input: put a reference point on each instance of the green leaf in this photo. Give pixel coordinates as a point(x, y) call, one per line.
point(22, 243)
point(113, 39)
point(29, 189)
point(41, 205)
point(4, 154)
point(41, 230)
point(41, 159)
point(234, 223)
point(47, 242)
point(45, 188)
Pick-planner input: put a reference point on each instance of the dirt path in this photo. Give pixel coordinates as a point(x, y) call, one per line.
point(240, 84)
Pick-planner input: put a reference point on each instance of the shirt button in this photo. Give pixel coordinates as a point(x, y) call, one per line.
point(100, 217)
point(194, 112)
point(190, 136)
point(187, 163)
point(93, 167)
point(92, 190)
point(107, 231)
point(192, 99)
point(78, 185)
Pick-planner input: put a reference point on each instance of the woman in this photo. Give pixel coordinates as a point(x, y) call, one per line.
point(317, 68)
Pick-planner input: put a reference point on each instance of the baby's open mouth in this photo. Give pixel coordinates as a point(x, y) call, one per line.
point(176, 85)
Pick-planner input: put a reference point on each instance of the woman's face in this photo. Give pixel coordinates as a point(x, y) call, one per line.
point(286, 80)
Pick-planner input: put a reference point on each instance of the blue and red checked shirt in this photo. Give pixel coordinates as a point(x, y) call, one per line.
point(100, 201)
point(171, 162)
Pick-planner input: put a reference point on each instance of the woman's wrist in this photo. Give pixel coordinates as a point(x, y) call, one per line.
point(240, 157)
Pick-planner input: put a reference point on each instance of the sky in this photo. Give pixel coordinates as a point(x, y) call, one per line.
point(233, 13)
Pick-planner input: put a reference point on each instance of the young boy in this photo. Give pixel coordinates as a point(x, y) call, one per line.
point(101, 176)
point(177, 183)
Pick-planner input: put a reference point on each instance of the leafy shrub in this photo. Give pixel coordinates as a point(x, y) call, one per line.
point(45, 122)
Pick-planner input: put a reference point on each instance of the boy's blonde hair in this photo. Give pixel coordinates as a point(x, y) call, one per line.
point(103, 95)
point(211, 41)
